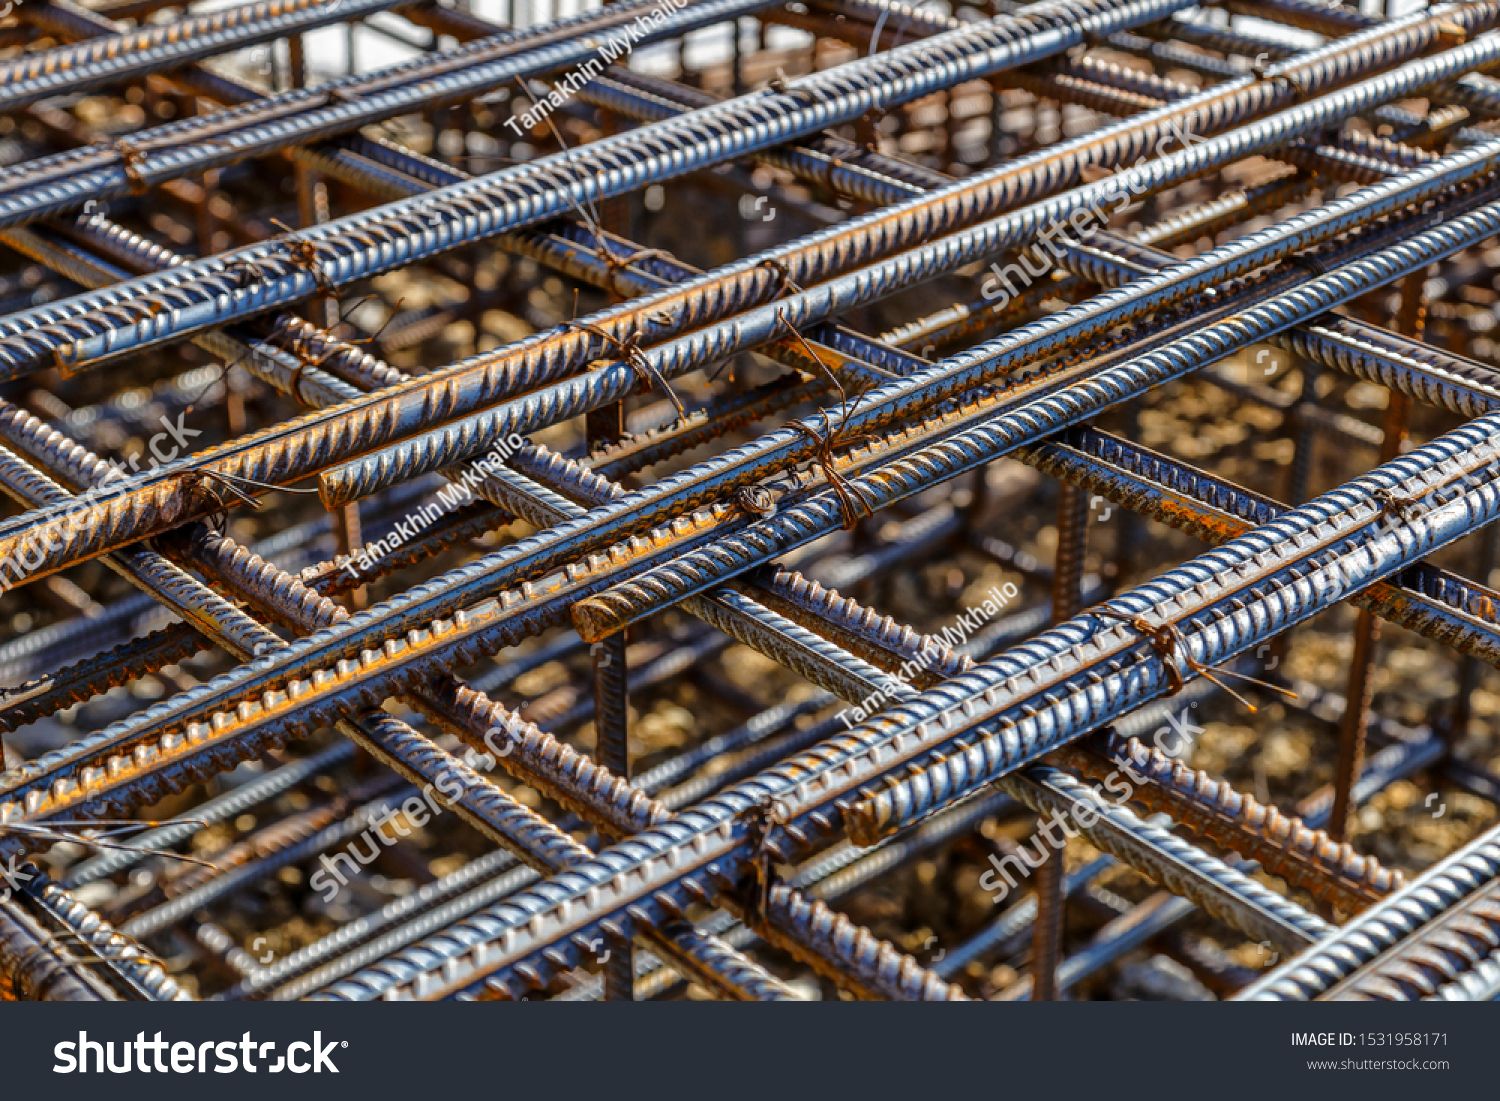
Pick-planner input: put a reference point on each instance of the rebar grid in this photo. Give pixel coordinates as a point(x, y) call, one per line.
point(698, 499)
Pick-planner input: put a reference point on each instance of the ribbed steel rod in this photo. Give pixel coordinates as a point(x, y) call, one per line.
point(1436, 235)
point(1297, 582)
point(1452, 879)
point(755, 540)
point(490, 810)
point(468, 436)
point(794, 434)
point(219, 289)
point(166, 499)
point(717, 831)
point(204, 142)
point(131, 54)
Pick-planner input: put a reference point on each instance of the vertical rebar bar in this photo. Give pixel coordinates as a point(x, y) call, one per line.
point(1359, 691)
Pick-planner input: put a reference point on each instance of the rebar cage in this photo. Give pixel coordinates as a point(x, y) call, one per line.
point(752, 500)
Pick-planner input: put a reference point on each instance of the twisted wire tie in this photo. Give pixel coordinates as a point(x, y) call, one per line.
point(1260, 66)
point(300, 344)
point(65, 359)
point(245, 271)
point(1451, 34)
point(71, 942)
point(1393, 504)
point(304, 255)
point(304, 360)
point(295, 348)
point(778, 268)
point(215, 483)
point(630, 352)
point(211, 483)
point(1166, 639)
point(68, 830)
point(130, 163)
point(761, 818)
point(756, 500)
point(852, 504)
point(616, 262)
point(787, 282)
